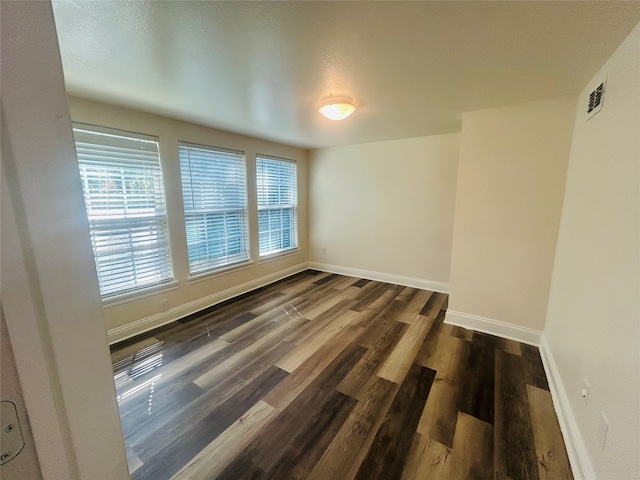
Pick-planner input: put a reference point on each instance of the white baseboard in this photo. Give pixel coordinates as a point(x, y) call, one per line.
point(576, 450)
point(493, 327)
point(382, 277)
point(159, 319)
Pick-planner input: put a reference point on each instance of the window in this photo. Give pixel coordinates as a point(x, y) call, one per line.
point(215, 206)
point(124, 197)
point(277, 205)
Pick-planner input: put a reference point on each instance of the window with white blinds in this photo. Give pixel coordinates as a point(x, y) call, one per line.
point(124, 197)
point(214, 189)
point(277, 204)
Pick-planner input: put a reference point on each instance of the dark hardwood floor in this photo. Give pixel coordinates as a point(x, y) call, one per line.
point(322, 376)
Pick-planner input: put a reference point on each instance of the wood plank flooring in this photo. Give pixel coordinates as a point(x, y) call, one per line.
point(322, 376)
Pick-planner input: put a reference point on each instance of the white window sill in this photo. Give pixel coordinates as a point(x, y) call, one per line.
point(199, 277)
point(138, 294)
point(279, 255)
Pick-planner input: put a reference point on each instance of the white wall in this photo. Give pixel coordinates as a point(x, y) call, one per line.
point(50, 298)
point(513, 163)
point(386, 207)
point(132, 317)
point(593, 320)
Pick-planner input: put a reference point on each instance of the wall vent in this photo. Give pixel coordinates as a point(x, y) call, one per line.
point(594, 104)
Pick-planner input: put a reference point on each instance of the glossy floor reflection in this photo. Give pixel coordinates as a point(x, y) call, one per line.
point(322, 376)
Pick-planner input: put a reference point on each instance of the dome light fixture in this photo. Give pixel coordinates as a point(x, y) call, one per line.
point(337, 108)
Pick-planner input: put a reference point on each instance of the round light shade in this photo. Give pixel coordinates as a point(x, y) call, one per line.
point(338, 110)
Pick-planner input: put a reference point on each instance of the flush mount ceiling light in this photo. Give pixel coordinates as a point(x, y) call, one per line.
point(337, 108)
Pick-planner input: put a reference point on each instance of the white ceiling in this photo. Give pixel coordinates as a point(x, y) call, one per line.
point(261, 68)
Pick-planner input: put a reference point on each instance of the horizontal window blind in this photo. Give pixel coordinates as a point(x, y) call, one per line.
point(215, 206)
point(124, 197)
point(277, 204)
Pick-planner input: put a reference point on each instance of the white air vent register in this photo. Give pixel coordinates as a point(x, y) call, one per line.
point(594, 104)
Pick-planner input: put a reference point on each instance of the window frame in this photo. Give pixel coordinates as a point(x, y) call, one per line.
point(156, 218)
point(242, 259)
point(294, 233)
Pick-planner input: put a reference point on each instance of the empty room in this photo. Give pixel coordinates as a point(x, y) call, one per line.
point(320, 240)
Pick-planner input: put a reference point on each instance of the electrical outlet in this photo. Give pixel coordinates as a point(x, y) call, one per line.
point(164, 305)
point(603, 429)
point(323, 251)
point(584, 393)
